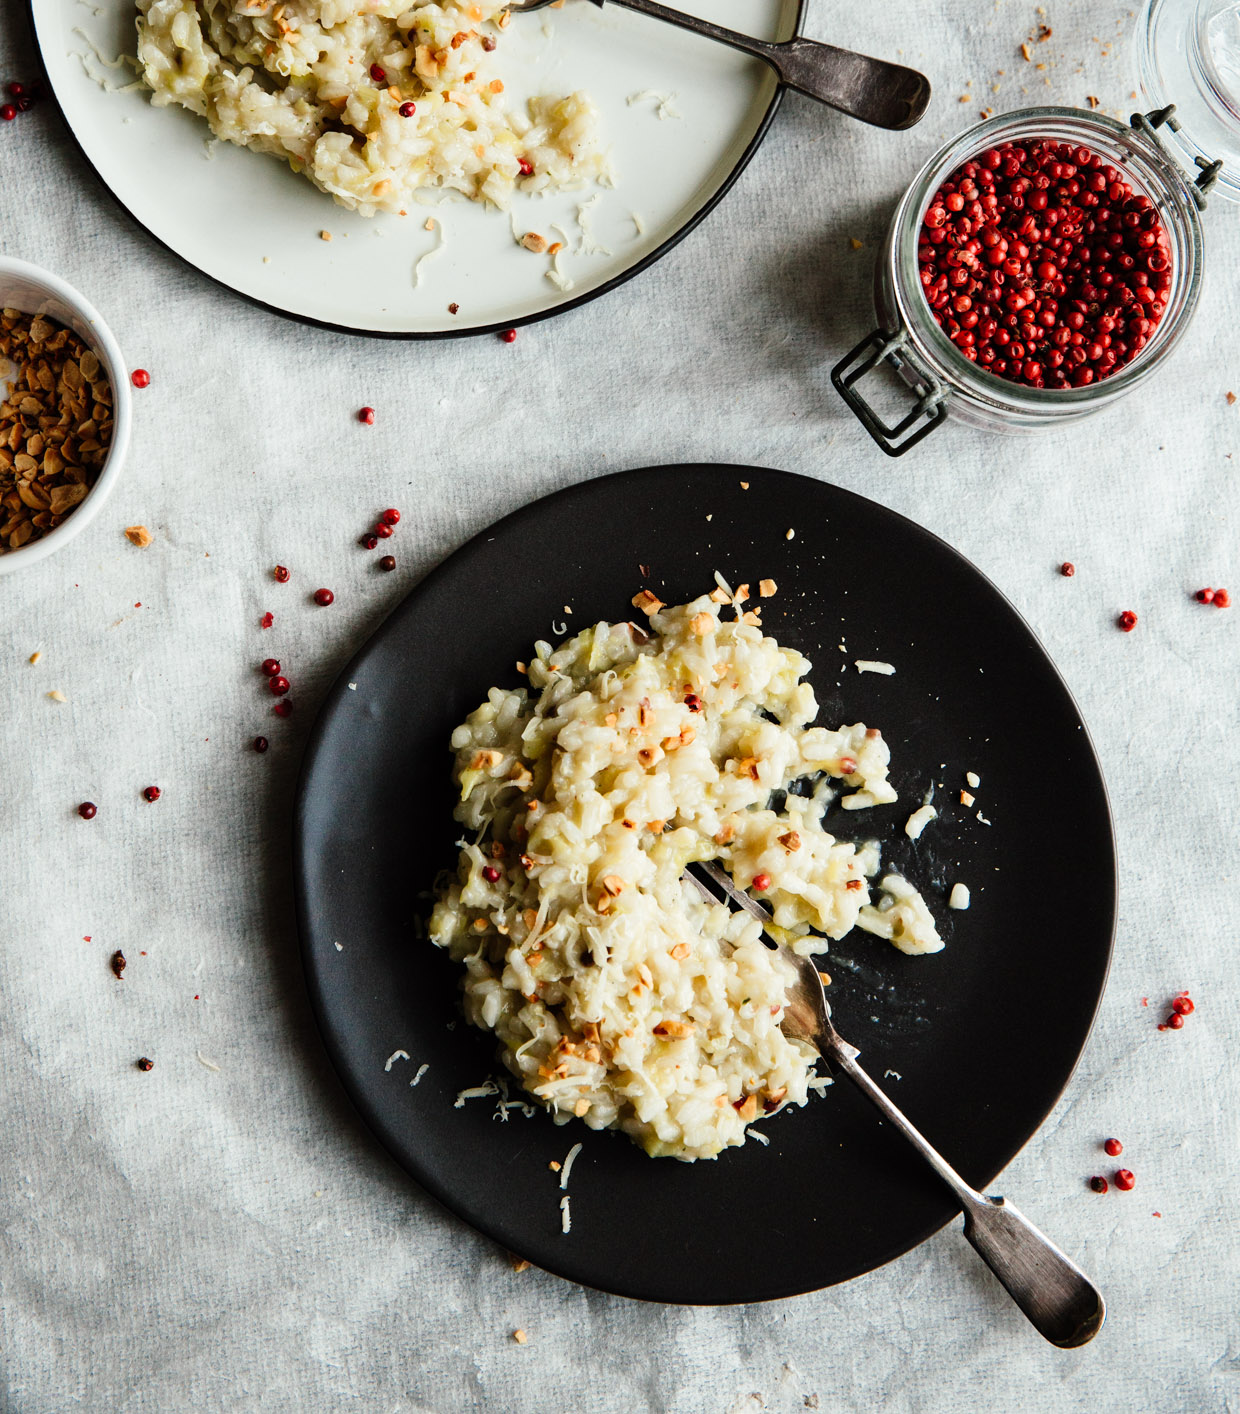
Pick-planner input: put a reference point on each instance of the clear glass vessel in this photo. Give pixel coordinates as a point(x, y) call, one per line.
point(1188, 53)
point(945, 383)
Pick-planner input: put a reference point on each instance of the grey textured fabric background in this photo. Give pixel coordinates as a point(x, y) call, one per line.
point(229, 1239)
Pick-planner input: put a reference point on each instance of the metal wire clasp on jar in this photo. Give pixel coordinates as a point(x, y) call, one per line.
point(1059, 315)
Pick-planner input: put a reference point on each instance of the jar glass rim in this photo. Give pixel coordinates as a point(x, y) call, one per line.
point(1157, 175)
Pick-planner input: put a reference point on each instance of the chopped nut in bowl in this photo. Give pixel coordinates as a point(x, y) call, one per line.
point(64, 413)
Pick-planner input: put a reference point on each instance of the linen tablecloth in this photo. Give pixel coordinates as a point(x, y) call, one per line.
point(221, 1233)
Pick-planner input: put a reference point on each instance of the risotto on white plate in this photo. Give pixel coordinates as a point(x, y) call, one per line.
point(619, 995)
point(372, 100)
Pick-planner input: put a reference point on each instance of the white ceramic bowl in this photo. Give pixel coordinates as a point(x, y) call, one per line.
point(24, 286)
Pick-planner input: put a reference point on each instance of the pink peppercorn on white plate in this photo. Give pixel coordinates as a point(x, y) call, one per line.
point(375, 203)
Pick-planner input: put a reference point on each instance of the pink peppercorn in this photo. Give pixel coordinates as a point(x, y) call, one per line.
point(260, 744)
point(378, 73)
point(391, 516)
point(1222, 600)
point(266, 621)
point(407, 109)
point(762, 882)
point(271, 666)
point(151, 794)
point(324, 597)
point(140, 378)
point(1183, 1004)
point(366, 415)
point(88, 810)
point(281, 574)
point(283, 708)
point(8, 112)
point(508, 335)
point(1114, 1148)
point(278, 685)
point(490, 873)
point(1127, 621)
point(1040, 269)
point(1125, 1179)
point(1098, 1183)
point(369, 540)
point(1204, 596)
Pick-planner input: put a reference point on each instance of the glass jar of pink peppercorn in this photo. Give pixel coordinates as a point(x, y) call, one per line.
point(1040, 266)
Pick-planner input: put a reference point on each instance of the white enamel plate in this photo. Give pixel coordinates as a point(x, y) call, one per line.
point(681, 115)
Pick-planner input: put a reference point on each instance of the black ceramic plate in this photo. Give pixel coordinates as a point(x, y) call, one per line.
point(975, 1043)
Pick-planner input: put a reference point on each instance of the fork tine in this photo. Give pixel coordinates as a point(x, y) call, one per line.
point(738, 896)
point(699, 886)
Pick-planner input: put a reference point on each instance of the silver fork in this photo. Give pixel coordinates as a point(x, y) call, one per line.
point(874, 90)
point(1052, 1291)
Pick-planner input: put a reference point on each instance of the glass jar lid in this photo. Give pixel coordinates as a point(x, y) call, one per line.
point(1188, 54)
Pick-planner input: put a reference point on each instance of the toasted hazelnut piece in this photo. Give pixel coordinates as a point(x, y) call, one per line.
point(747, 766)
point(702, 624)
point(520, 777)
point(766, 587)
point(966, 798)
point(854, 884)
point(681, 951)
point(484, 760)
point(138, 535)
point(675, 1030)
point(752, 618)
point(610, 719)
point(533, 241)
point(655, 826)
point(519, 1264)
point(718, 596)
point(582, 1107)
point(791, 841)
point(825, 978)
point(742, 593)
point(612, 884)
point(726, 832)
point(647, 602)
point(649, 756)
point(520, 1336)
point(748, 1108)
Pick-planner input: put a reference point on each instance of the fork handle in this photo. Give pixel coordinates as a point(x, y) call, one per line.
point(873, 90)
point(1057, 1297)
